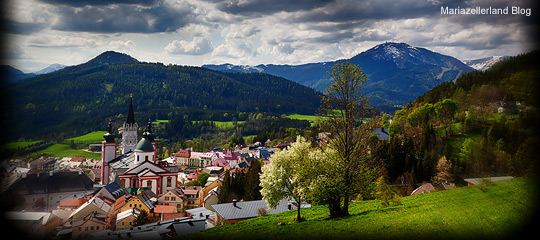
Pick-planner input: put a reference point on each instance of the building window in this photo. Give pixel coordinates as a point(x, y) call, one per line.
point(173, 198)
point(149, 184)
point(146, 158)
point(166, 198)
point(169, 182)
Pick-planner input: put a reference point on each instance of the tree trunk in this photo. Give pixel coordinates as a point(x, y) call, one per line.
point(334, 205)
point(345, 210)
point(298, 219)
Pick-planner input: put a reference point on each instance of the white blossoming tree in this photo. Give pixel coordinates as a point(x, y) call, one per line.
point(287, 175)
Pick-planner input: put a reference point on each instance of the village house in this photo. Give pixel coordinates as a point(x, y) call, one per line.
point(211, 198)
point(42, 164)
point(201, 213)
point(125, 219)
point(381, 133)
point(95, 205)
point(33, 224)
point(188, 158)
point(174, 197)
point(143, 201)
point(93, 222)
point(238, 211)
point(432, 187)
point(194, 196)
point(161, 210)
point(44, 191)
point(476, 181)
point(157, 230)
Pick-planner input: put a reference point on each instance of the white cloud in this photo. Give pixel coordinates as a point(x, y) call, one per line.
point(61, 41)
point(199, 46)
point(122, 46)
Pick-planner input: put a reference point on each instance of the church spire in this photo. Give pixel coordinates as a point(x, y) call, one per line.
point(109, 136)
point(131, 115)
point(148, 134)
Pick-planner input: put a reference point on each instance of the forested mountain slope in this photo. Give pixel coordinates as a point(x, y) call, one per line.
point(82, 97)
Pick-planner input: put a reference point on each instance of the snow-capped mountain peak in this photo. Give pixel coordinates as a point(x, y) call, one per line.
point(484, 63)
point(51, 68)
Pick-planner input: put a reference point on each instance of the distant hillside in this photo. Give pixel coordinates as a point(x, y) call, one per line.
point(397, 72)
point(10, 75)
point(82, 97)
point(485, 123)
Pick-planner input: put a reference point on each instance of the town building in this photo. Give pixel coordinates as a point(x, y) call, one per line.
point(174, 197)
point(137, 166)
point(33, 224)
point(238, 211)
point(44, 191)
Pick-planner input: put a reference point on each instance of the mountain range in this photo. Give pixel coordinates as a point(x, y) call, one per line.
point(12, 74)
point(80, 98)
point(397, 72)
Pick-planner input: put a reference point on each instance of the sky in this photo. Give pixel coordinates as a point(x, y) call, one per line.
point(37, 33)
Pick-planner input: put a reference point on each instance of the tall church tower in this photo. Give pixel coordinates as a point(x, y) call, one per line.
point(129, 137)
point(108, 153)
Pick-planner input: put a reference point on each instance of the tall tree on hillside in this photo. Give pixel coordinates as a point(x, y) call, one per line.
point(223, 195)
point(444, 171)
point(345, 106)
point(252, 188)
point(287, 175)
point(446, 110)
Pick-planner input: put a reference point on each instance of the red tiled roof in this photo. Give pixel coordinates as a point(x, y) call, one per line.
point(164, 209)
point(168, 216)
point(74, 202)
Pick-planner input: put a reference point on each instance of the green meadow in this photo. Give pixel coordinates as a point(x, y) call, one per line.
point(64, 150)
point(493, 212)
point(93, 137)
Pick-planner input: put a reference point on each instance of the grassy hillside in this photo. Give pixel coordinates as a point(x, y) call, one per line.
point(466, 212)
point(93, 137)
point(64, 150)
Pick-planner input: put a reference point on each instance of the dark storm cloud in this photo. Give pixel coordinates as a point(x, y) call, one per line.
point(125, 19)
point(82, 3)
point(14, 27)
point(374, 10)
point(257, 8)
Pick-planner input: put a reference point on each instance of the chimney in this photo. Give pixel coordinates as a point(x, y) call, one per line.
point(234, 202)
point(200, 214)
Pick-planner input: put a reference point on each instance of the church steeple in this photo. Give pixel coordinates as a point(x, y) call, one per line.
point(129, 136)
point(131, 115)
point(149, 134)
point(109, 136)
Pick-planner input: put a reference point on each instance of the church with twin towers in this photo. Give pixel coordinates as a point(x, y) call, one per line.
point(134, 163)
